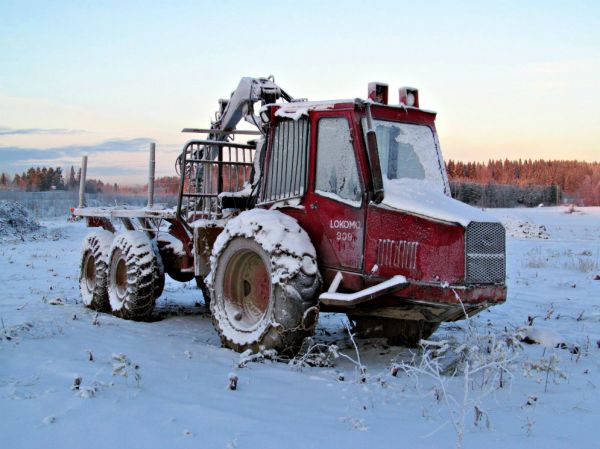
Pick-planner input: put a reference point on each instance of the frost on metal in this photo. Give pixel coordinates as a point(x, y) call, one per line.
point(172, 244)
point(292, 113)
point(423, 198)
point(278, 234)
point(414, 178)
point(297, 110)
point(246, 191)
point(294, 203)
point(336, 197)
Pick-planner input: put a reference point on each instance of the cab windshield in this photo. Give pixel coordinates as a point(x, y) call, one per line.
point(409, 153)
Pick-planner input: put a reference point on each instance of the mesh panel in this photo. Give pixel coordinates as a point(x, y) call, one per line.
point(486, 253)
point(209, 168)
point(288, 161)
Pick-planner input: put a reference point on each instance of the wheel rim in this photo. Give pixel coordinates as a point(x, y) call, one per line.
point(89, 270)
point(119, 276)
point(247, 290)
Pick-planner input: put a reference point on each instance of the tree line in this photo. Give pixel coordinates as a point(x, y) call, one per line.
point(496, 183)
point(35, 179)
point(505, 195)
point(576, 181)
point(42, 179)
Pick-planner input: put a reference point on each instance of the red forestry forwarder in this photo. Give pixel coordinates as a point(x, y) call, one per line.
point(338, 206)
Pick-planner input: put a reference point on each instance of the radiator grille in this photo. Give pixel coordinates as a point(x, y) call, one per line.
point(397, 254)
point(485, 253)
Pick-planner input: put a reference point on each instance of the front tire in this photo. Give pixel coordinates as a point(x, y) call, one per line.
point(252, 308)
point(136, 276)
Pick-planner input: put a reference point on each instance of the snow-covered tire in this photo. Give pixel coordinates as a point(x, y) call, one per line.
point(264, 283)
point(136, 275)
point(93, 273)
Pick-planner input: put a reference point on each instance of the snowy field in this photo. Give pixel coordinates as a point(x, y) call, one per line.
point(70, 378)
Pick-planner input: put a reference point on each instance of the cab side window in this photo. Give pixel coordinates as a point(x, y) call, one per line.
point(337, 173)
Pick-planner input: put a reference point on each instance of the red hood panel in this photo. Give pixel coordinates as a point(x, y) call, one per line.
point(425, 250)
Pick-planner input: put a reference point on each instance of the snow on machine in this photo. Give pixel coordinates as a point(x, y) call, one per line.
point(338, 206)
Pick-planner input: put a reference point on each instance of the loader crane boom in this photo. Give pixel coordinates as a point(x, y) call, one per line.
point(241, 104)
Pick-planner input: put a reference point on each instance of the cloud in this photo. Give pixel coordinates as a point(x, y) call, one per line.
point(38, 131)
point(17, 156)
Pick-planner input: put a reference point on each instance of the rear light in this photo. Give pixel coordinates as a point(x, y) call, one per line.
point(409, 96)
point(378, 92)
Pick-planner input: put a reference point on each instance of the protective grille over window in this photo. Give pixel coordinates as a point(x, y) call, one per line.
point(486, 262)
point(288, 161)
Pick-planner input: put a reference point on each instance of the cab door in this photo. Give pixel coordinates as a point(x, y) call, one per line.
point(335, 198)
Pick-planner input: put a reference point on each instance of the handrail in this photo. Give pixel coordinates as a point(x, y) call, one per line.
point(221, 143)
point(208, 155)
point(221, 131)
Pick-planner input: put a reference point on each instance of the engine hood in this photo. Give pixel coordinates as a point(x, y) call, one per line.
point(423, 198)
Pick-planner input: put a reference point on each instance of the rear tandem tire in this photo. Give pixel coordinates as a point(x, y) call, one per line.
point(136, 276)
point(251, 309)
point(93, 275)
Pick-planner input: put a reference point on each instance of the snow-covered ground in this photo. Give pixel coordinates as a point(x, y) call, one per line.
point(70, 378)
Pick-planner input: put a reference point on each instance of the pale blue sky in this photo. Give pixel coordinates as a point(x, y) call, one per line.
point(508, 79)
